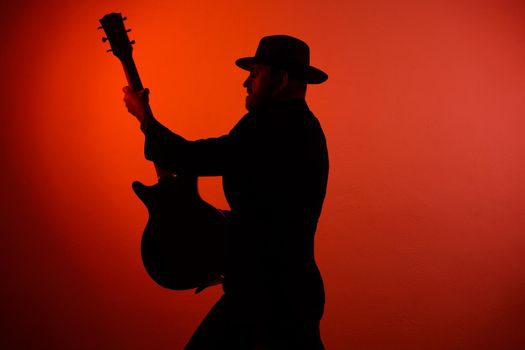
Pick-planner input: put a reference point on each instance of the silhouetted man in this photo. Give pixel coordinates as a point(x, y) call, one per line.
point(274, 164)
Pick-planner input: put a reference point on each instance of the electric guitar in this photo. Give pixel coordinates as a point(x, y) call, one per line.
point(182, 245)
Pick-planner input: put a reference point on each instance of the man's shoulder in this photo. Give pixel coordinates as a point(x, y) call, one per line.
point(241, 124)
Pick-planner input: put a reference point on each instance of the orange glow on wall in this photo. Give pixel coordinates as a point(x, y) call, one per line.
point(422, 236)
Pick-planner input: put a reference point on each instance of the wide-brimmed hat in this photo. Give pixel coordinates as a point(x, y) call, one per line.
point(287, 53)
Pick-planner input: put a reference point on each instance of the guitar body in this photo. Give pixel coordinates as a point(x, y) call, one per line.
point(183, 243)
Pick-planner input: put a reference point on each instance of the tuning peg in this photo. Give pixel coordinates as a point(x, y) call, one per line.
point(100, 27)
point(104, 39)
point(124, 18)
point(109, 50)
point(132, 42)
point(128, 30)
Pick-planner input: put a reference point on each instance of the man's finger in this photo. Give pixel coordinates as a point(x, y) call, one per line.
point(145, 94)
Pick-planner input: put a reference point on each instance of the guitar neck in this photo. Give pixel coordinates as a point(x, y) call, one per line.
point(132, 74)
point(133, 78)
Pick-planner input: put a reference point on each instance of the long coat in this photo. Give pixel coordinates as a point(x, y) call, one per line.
point(274, 164)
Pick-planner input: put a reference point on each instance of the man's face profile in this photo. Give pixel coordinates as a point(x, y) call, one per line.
point(259, 86)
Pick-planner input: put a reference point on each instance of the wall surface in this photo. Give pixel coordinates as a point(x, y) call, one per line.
point(423, 231)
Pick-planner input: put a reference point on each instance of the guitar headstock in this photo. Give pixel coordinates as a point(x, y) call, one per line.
point(117, 35)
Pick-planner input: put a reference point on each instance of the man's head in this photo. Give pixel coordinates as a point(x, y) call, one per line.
point(267, 83)
point(279, 70)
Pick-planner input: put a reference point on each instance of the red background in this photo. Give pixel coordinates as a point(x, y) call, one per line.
point(422, 236)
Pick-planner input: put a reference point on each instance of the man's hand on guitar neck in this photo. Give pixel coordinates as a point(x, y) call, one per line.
point(137, 102)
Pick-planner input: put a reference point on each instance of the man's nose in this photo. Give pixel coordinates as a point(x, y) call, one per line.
point(246, 82)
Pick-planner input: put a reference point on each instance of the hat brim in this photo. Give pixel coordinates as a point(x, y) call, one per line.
point(311, 74)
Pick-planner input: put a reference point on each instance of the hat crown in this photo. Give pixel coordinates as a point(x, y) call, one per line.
point(283, 51)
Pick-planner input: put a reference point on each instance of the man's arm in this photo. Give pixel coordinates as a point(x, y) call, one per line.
point(172, 152)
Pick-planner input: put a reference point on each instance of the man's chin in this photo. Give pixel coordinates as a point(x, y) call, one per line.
point(252, 103)
point(249, 103)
